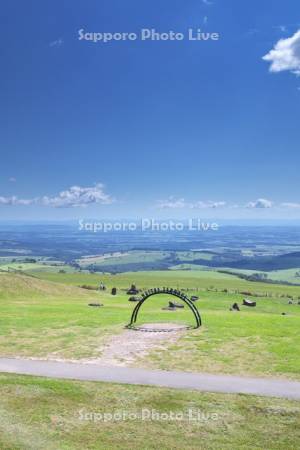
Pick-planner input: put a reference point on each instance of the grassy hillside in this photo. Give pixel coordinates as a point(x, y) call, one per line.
point(41, 413)
point(183, 279)
point(268, 263)
point(116, 259)
point(17, 286)
point(39, 318)
point(34, 267)
point(290, 275)
point(137, 260)
point(53, 320)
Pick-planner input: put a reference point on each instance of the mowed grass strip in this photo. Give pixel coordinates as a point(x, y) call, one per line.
point(51, 414)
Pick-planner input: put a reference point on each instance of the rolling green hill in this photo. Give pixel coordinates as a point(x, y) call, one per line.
point(48, 319)
point(184, 279)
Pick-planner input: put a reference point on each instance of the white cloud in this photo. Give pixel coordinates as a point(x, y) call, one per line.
point(260, 203)
point(78, 196)
point(12, 179)
point(75, 196)
point(207, 2)
point(285, 55)
point(173, 203)
point(208, 204)
point(14, 200)
point(291, 205)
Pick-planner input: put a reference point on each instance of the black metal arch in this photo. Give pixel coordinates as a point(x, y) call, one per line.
point(168, 291)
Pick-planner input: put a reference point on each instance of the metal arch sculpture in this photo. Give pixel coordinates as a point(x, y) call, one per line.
point(168, 291)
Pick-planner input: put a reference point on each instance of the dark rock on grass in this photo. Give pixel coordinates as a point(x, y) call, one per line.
point(134, 299)
point(175, 305)
point(249, 303)
point(169, 308)
point(133, 290)
point(95, 305)
point(235, 307)
point(194, 298)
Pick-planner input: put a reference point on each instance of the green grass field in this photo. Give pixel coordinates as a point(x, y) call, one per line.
point(182, 279)
point(39, 266)
point(284, 275)
point(46, 315)
point(290, 275)
point(39, 413)
point(42, 318)
point(123, 258)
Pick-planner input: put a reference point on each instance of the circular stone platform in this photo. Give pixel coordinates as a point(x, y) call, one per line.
point(160, 327)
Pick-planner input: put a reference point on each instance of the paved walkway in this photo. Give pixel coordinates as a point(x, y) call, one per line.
point(180, 380)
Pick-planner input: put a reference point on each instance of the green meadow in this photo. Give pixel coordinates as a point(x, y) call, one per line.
point(39, 413)
point(49, 317)
point(45, 314)
point(123, 258)
point(181, 279)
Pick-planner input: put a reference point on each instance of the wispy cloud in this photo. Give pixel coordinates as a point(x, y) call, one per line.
point(281, 28)
point(178, 203)
point(250, 33)
point(14, 201)
point(172, 203)
point(261, 203)
point(56, 43)
point(208, 204)
point(75, 196)
point(207, 2)
point(12, 179)
point(291, 205)
point(285, 56)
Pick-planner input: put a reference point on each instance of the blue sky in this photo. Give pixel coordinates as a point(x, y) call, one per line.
point(130, 128)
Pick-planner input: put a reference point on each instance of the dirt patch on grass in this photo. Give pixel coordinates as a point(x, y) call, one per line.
point(131, 345)
point(128, 348)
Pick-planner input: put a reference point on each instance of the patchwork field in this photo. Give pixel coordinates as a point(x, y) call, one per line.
point(144, 261)
point(118, 258)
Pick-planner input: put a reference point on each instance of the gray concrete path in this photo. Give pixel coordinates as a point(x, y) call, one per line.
point(180, 380)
